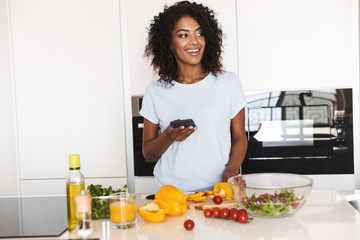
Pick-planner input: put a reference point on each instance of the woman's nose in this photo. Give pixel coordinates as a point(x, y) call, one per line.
point(193, 39)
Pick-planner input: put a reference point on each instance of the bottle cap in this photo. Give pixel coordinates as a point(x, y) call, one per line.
point(74, 161)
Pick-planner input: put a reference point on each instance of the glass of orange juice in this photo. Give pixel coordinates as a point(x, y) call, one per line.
point(122, 210)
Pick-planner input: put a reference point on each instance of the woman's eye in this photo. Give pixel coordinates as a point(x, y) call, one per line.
point(183, 35)
point(200, 34)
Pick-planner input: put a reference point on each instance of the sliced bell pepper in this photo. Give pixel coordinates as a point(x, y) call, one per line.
point(196, 197)
point(162, 205)
point(154, 211)
point(223, 189)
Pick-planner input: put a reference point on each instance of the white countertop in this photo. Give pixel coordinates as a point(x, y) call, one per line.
point(326, 215)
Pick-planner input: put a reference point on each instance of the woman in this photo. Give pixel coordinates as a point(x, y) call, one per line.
point(185, 43)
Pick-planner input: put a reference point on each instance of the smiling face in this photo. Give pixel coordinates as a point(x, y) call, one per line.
point(187, 42)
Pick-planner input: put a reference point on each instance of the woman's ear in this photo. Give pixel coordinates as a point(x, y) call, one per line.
point(170, 46)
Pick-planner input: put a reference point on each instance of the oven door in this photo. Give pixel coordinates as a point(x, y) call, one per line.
point(294, 139)
point(142, 167)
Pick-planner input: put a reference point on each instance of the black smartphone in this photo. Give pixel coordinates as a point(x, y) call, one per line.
point(184, 122)
point(150, 197)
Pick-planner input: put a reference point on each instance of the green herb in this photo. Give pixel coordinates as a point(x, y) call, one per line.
point(100, 202)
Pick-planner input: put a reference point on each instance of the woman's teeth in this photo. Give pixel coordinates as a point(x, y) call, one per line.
point(193, 50)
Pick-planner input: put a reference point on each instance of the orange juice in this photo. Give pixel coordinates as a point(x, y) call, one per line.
point(122, 212)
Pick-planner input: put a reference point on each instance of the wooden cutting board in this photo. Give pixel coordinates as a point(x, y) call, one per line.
point(209, 203)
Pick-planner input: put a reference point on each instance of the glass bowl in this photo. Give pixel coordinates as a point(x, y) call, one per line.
point(100, 199)
point(271, 194)
point(100, 207)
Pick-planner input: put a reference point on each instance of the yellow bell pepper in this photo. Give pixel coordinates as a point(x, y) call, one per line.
point(154, 211)
point(174, 197)
point(223, 189)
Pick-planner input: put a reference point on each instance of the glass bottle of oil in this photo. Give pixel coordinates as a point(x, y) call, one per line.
point(75, 183)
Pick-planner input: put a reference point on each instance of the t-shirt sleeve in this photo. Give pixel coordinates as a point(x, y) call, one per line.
point(238, 100)
point(148, 107)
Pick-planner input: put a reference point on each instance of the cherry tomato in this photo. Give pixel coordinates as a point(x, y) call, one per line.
point(242, 216)
point(189, 224)
point(207, 213)
point(217, 200)
point(224, 213)
point(234, 213)
point(216, 212)
point(242, 211)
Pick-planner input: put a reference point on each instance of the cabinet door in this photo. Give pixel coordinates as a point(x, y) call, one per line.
point(301, 44)
point(139, 15)
point(8, 177)
point(69, 92)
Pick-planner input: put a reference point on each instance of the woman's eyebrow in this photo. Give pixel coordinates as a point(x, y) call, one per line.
point(183, 30)
point(187, 30)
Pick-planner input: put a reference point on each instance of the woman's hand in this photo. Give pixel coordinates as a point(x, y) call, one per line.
point(155, 145)
point(228, 174)
point(180, 133)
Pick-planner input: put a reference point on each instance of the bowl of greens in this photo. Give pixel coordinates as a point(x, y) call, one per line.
point(271, 195)
point(100, 199)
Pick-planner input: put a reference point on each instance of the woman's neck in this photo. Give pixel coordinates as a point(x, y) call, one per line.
point(191, 75)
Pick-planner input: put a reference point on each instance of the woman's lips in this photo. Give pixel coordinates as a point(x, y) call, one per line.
point(193, 52)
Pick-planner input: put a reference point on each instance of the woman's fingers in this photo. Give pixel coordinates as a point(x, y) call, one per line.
point(184, 133)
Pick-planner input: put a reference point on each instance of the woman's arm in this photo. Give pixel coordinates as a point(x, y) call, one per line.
point(238, 146)
point(155, 145)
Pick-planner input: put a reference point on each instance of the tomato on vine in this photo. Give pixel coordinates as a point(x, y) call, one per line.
point(208, 213)
point(216, 212)
point(242, 216)
point(234, 213)
point(224, 213)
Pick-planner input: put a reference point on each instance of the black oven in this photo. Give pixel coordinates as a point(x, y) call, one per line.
point(305, 132)
point(142, 167)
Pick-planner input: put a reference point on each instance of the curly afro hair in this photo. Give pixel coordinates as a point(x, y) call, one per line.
point(159, 39)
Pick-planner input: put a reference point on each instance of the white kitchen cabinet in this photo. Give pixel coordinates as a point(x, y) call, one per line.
point(300, 44)
point(51, 187)
point(144, 184)
point(356, 90)
point(9, 183)
point(139, 15)
point(69, 93)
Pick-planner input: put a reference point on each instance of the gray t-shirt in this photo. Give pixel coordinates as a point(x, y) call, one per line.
point(199, 161)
